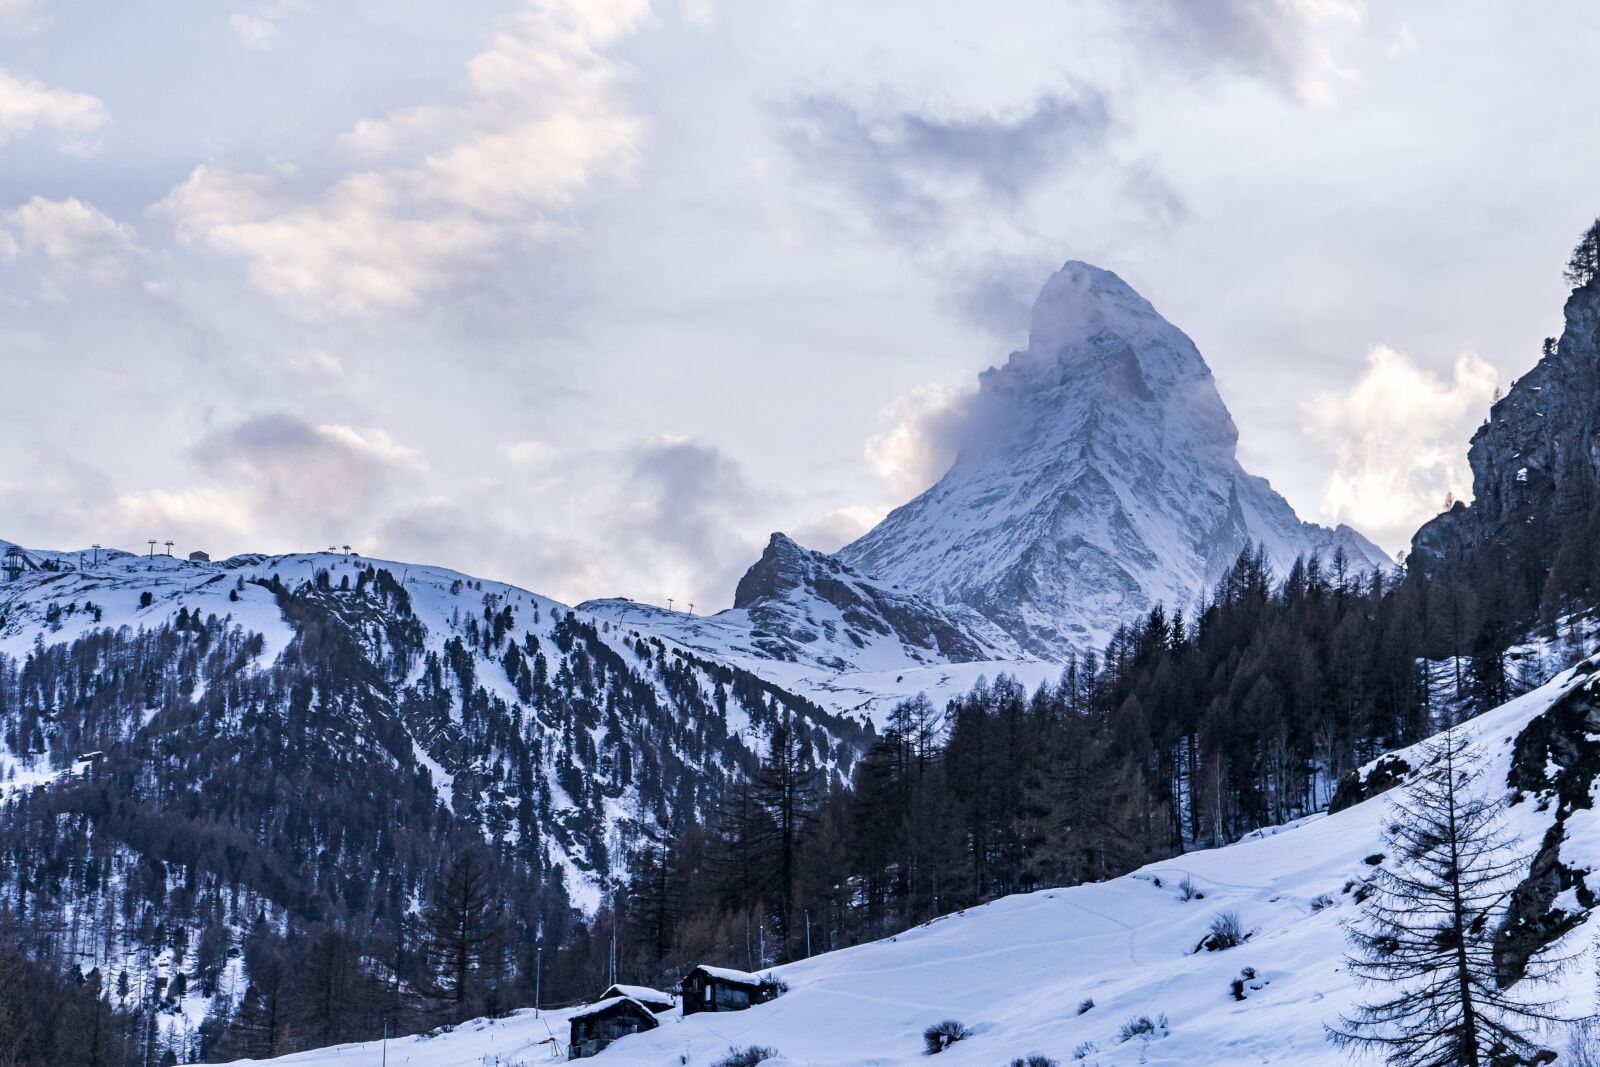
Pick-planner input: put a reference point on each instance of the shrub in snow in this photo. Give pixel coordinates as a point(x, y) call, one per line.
point(1085, 1050)
point(1142, 1026)
point(1187, 890)
point(1226, 932)
point(1374, 859)
point(748, 1056)
point(941, 1036)
point(1035, 1060)
point(1321, 902)
point(1085, 1004)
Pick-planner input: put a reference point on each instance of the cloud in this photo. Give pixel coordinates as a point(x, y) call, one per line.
point(354, 251)
point(910, 169)
point(1285, 43)
point(692, 505)
point(1396, 437)
point(70, 235)
point(926, 430)
point(326, 477)
point(443, 187)
point(27, 105)
point(836, 529)
point(663, 517)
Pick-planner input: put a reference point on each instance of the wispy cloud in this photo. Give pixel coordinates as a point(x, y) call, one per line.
point(543, 114)
point(1283, 42)
point(909, 169)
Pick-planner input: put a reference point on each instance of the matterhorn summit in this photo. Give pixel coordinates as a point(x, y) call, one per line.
point(1097, 476)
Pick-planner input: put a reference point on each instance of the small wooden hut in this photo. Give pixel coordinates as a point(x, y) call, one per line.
point(601, 1023)
point(654, 999)
point(724, 989)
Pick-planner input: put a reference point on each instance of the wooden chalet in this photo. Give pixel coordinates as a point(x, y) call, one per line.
point(601, 1023)
point(724, 989)
point(654, 999)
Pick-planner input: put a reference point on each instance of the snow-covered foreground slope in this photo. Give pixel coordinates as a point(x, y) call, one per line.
point(1016, 971)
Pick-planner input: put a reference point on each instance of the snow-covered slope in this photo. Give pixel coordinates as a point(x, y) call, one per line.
point(1098, 477)
point(811, 623)
point(1016, 971)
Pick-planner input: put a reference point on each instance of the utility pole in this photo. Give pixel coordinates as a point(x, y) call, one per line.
point(808, 933)
point(669, 603)
point(385, 1043)
point(169, 548)
point(152, 548)
point(691, 607)
point(538, 968)
point(96, 554)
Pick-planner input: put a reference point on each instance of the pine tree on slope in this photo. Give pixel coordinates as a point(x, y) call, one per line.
point(465, 936)
point(1426, 936)
point(1585, 261)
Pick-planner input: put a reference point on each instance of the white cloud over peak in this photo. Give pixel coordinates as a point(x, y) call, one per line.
point(1398, 437)
point(922, 437)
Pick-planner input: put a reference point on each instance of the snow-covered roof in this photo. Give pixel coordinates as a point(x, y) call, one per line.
point(606, 1005)
point(641, 993)
point(728, 974)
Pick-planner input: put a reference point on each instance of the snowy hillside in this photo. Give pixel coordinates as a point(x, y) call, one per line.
point(814, 625)
point(1061, 972)
point(500, 647)
point(1098, 476)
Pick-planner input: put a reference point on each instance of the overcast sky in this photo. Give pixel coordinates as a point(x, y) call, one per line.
point(592, 295)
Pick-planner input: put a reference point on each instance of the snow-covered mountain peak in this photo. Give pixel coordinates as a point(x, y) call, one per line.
point(1082, 302)
point(1097, 476)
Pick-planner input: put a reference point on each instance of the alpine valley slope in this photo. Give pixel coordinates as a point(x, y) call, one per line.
point(812, 624)
point(1096, 477)
point(1014, 971)
point(481, 683)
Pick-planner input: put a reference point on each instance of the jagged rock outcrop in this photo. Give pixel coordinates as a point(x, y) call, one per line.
point(1097, 477)
point(798, 595)
point(1535, 469)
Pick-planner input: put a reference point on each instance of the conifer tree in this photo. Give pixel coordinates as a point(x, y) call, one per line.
point(1585, 261)
point(1425, 939)
point(786, 790)
point(464, 935)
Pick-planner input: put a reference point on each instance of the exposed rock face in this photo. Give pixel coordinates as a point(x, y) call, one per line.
point(1536, 461)
point(794, 594)
point(1098, 478)
point(1557, 760)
